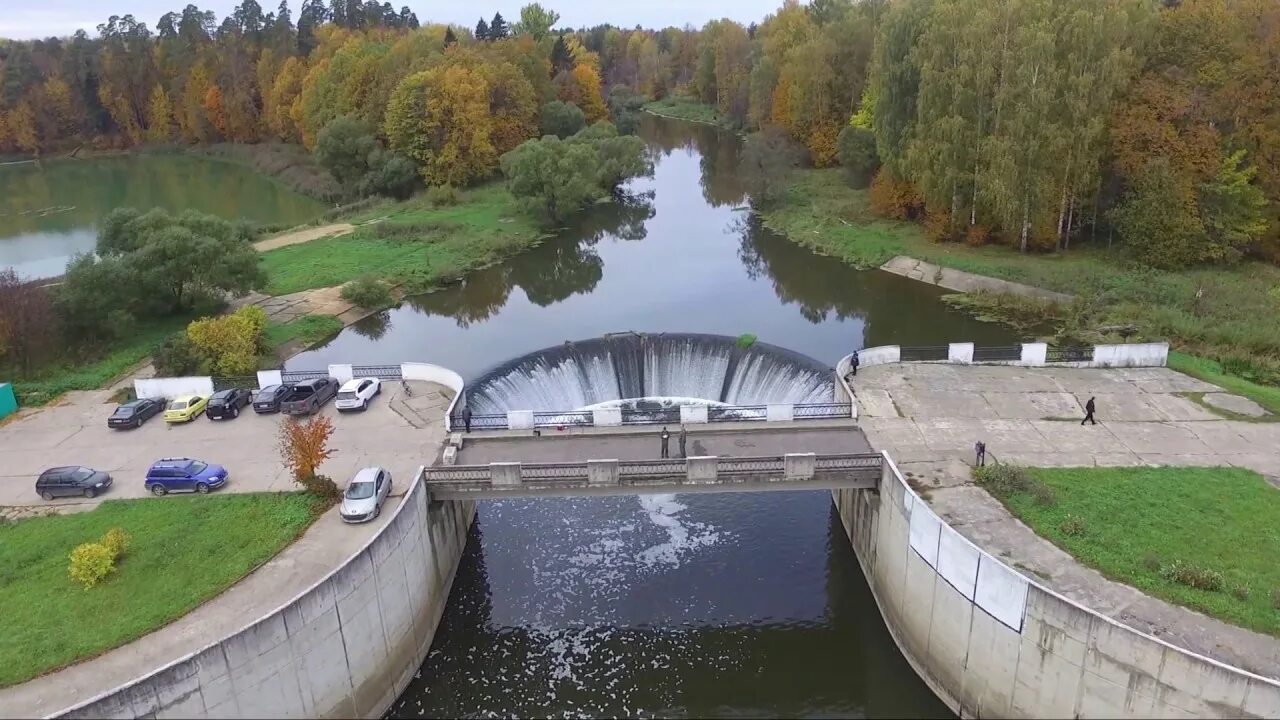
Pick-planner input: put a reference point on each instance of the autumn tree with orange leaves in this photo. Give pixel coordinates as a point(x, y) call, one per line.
point(304, 446)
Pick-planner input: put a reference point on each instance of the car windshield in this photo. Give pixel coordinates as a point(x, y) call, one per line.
point(221, 397)
point(178, 405)
point(125, 411)
point(197, 467)
point(81, 474)
point(359, 490)
point(347, 395)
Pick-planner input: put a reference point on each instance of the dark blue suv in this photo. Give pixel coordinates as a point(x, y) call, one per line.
point(184, 475)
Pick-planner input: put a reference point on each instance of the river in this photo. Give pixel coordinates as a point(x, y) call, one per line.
point(739, 605)
point(49, 212)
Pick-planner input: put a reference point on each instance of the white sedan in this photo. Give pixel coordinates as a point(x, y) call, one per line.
point(365, 494)
point(356, 394)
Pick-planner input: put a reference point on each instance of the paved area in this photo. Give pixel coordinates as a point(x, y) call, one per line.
point(966, 281)
point(477, 450)
point(304, 235)
point(395, 432)
point(928, 416)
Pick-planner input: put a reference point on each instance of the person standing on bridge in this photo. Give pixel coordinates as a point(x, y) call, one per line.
point(683, 439)
point(666, 439)
point(1089, 407)
point(853, 363)
point(466, 417)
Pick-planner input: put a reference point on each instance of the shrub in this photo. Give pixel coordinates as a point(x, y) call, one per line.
point(367, 292)
point(1193, 576)
point(322, 487)
point(1241, 592)
point(178, 357)
point(745, 340)
point(562, 119)
point(893, 198)
point(977, 235)
point(856, 149)
point(442, 195)
point(117, 541)
point(1042, 494)
point(1151, 562)
point(1002, 480)
point(90, 563)
point(303, 445)
point(1072, 526)
point(231, 343)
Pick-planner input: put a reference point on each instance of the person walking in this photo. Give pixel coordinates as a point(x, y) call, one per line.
point(980, 454)
point(683, 439)
point(1089, 408)
point(853, 363)
point(466, 418)
point(666, 438)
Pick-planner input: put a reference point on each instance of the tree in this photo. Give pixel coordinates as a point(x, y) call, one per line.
point(29, 327)
point(535, 20)
point(231, 342)
point(561, 59)
point(552, 176)
point(590, 98)
point(1232, 207)
point(440, 119)
point(159, 116)
point(304, 446)
point(857, 153)
point(618, 157)
point(497, 27)
point(769, 157)
point(1159, 220)
point(449, 37)
point(482, 30)
point(561, 119)
point(344, 148)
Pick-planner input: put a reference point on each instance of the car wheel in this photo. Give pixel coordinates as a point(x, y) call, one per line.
point(137, 424)
point(90, 492)
point(235, 412)
point(377, 510)
point(158, 490)
point(46, 495)
point(365, 405)
point(202, 488)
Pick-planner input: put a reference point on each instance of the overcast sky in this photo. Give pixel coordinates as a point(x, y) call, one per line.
point(42, 18)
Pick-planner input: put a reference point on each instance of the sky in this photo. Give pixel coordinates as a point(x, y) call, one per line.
point(33, 19)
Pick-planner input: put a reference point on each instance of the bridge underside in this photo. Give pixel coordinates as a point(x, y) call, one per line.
point(747, 482)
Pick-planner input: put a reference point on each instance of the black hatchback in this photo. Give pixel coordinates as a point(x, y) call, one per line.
point(75, 480)
point(227, 403)
point(135, 412)
point(269, 397)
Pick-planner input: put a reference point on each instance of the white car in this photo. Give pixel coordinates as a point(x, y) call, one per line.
point(356, 394)
point(365, 494)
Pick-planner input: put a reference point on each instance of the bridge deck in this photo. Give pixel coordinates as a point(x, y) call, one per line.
point(551, 447)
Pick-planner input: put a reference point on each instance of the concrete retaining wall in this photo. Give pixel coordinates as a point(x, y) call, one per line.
point(162, 388)
point(440, 376)
point(1131, 355)
point(347, 647)
point(993, 643)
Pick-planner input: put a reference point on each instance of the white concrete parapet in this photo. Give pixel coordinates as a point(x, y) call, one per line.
point(602, 472)
point(450, 456)
point(1131, 355)
point(428, 372)
point(520, 419)
point(960, 353)
point(504, 473)
point(162, 388)
point(798, 466)
point(702, 467)
point(606, 417)
point(269, 377)
point(780, 412)
point(693, 414)
point(879, 355)
point(341, 373)
point(1034, 354)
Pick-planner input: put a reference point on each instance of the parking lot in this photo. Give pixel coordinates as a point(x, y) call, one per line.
point(398, 433)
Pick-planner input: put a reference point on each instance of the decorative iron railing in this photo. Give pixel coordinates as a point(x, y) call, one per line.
point(999, 353)
point(639, 469)
point(1069, 354)
point(562, 419)
point(655, 416)
point(238, 381)
point(822, 410)
point(925, 353)
point(382, 372)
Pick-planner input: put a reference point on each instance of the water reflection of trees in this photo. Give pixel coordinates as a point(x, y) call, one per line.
point(554, 271)
point(374, 326)
point(821, 286)
point(717, 150)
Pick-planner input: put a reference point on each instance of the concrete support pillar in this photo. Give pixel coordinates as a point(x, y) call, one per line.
point(504, 473)
point(520, 419)
point(1034, 354)
point(798, 466)
point(701, 468)
point(341, 373)
point(602, 472)
point(606, 417)
point(693, 414)
point(960, 353)
point(269, 377)
point(450, 456)
point(780, 412)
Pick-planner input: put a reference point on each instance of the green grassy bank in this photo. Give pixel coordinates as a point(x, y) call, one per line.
point(1204, 538)
point(184, 551)
point(414, 242)
point(682, 108)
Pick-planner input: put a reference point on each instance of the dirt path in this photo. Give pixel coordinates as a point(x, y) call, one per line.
point(305, 235)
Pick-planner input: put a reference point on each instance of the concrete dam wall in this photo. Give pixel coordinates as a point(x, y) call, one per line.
point(992, 643)
point(347, 647)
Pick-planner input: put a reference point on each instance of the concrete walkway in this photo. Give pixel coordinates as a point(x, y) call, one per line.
point(297, 237)
point(962, 281)
point(928, 417)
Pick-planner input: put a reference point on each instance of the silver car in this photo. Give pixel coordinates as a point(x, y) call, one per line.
point(365, 494)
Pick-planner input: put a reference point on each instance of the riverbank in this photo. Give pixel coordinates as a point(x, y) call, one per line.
point(288, 165)
point(1230, 314)
point(680, 108)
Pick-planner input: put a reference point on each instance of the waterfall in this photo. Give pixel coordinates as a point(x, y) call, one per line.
point(631, 366)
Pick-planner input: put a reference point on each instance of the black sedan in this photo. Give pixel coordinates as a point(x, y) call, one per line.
point(135, 412)
point(227, 403)
point(68, 481)
point(269, 397)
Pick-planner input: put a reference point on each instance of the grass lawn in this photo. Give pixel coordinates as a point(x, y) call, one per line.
point(308, 329)
point(1213, 372)
point(1137, 520)
point(54, 380)
point(184, 551)
point(1234, 320)
point(416, 244)
point(684, 108)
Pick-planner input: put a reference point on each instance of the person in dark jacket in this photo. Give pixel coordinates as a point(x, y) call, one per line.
point(683, 440)
point(980, 453)
point(466, 418)
point(1089, 407)
point(853, 363)
point(666, 438)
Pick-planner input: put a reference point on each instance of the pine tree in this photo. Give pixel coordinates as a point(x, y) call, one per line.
point(497, 27)
point(482, 30)
point(449, 37)
point(561, 58)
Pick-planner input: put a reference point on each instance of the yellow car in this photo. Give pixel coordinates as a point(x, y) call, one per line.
point(185, 408)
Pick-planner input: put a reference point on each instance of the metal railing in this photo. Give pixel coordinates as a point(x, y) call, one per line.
point(999, 353)
point(822, 410)
point(637, 416)
point(925, 353)
point(657, 416)
point(382, 372)
point(736, 413)
point(562, 419)
point(300, 375)
point(238, 381)
point(750, 465)
point(1069, 354)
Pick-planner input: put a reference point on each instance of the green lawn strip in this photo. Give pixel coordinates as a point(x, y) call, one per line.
point(436, 244)
point(683, 108)
point(1212, 372)
point(1137, 519)
point(308, 329)
point(93, 374)
point(184, 550)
